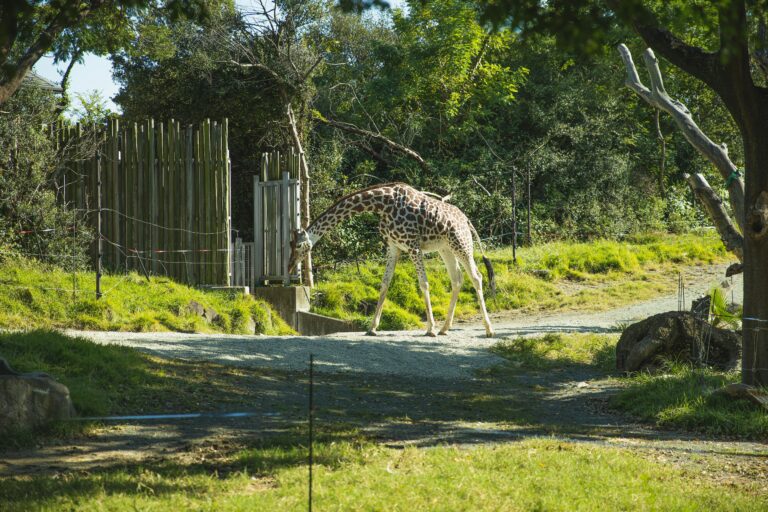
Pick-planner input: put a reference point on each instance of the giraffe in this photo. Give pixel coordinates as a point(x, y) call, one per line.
point(414, 223)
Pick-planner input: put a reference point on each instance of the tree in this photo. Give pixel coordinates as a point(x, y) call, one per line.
point(31, 28)
point(730, 59)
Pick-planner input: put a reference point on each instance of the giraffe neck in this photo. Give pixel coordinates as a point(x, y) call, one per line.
point(372, 200)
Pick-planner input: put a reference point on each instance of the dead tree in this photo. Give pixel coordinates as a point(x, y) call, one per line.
point(657, 96)
point(306, 268)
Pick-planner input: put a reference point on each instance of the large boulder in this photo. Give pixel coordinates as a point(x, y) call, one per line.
point(680, 336)
point(29, 400)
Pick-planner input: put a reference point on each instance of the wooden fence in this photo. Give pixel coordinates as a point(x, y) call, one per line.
point(275, 217)
point(165, 196)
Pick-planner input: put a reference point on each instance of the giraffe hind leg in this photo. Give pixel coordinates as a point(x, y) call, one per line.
point(477, 281)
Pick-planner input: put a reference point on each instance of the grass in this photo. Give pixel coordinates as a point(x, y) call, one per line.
point(559, 350)
point(35, 295)
point(681, 398)
point(104, 379)
point(577, 276)
point(529, 475)
point(353, 472)
point(688, 398)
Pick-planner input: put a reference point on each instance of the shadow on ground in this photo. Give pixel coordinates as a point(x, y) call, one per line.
point(500, 404)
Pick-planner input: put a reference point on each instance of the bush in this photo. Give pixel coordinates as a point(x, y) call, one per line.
point(32, 222)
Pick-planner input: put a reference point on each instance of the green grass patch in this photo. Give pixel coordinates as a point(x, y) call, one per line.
point(35, 295)
point(529, 475)
point(582, 276)
point(687, 398)
point(108, 379)
point(559, 350)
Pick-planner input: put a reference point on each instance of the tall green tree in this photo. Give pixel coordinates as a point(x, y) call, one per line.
point(31, 28)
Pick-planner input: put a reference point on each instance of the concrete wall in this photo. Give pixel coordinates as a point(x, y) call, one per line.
point(292, 304)
point(312, 324)
point(287, 300)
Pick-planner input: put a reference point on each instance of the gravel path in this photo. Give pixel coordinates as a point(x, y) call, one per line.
point(406, 353)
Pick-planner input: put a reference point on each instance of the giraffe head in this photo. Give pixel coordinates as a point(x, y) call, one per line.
point(301, 244)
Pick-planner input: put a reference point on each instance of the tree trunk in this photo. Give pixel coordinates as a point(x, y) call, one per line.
point(755, 320)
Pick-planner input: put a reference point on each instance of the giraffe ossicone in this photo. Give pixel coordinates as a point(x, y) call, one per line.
point(414, 223)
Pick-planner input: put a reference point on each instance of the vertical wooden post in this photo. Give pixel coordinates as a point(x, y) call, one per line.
point(528, 194)
point(98, 225)
point(258, 229)
point(514, 216)
point(285, 221)
point(151, 200)
point(190, 206)
point(200, 215)
point(226, 193)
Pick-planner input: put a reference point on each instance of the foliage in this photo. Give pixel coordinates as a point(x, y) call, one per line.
point(353, 475)
point(70, 28)
point(720, 312)
point(227, 66)
point(690, 398)
point(627, 272)
point(36, 295)
point(32, 222)
point(92, 110)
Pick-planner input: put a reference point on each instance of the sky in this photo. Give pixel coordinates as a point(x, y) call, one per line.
point(95, 73)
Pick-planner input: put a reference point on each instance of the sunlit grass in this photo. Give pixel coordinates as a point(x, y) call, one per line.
point(559, 350)
point(528, 475)
point(35, 295)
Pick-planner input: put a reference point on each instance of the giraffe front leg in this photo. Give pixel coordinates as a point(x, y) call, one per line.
point(393, 253)
point(418, 262)
point(454, 271)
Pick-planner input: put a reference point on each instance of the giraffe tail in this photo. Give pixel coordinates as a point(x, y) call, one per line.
point(486, 261)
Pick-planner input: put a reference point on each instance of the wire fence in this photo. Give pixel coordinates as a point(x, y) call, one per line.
point(142, 257)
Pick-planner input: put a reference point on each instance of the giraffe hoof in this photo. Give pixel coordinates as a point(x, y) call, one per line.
point(490, 334)
point(442, 333)
point(431, 334)
point(371, 333)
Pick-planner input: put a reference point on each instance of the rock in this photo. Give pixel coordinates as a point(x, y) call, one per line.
point(700, 307)
point(250, 325)
point(208, 314)
point(196, 308)
point(31, 400)
point(747, 392)
point(680, 336)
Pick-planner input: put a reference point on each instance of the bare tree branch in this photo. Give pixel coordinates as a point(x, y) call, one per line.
point(392, 145)
point(732, 239)
point(657, 96)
